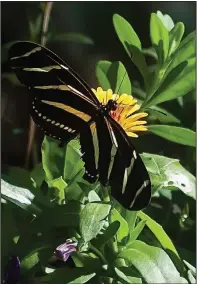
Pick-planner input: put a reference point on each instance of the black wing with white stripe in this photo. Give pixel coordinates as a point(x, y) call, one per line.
point(114, 158)
point(62, 102)
point(131, 186)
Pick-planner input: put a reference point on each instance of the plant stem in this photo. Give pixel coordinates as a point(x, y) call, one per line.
point(98, 253)
point(105, 194)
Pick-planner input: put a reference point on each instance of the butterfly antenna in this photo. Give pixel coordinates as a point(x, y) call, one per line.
point(123, 78)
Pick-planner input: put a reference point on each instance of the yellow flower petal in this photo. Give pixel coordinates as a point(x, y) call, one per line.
point(131, 134)
point(137, 116)
point(128, 125)
point(126, 111)
point(138, 128)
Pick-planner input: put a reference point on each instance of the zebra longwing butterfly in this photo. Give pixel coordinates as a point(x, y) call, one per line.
point(64, 107)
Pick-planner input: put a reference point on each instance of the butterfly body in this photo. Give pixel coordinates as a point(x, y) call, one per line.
point(64, 107)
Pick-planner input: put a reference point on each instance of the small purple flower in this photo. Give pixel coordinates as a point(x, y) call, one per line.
point(64, 250)
point(12, 273)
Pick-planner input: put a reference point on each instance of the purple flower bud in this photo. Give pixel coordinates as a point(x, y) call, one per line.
point(12, 273)
point(64, 250)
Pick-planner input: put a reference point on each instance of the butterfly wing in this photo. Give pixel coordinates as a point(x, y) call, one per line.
point(110, 154)
point(62, 102)
point(129, 179)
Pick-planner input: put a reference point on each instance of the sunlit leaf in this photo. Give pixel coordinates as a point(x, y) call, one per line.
point(175, 37)
point(61, 161)
point(131, 43)
point(153, 263)
point(162, 237)
point(123, 229)
point(22, 197)
point(175, 134)
point(136, 232)
point(92, 219)
point(169, 173)
point(159, 37)
point(185, 51)
point(166, 20)
point(178, 82)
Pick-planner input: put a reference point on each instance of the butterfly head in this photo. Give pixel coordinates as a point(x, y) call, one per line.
point(110, 106)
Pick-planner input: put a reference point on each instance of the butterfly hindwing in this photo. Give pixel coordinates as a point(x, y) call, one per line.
point(129, 179)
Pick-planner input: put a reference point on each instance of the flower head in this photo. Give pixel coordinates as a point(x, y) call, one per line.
point(64, 250)
point(126, 111)
point(12, 273)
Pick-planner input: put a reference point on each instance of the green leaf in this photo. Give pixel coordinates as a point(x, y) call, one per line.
point(159, 37)
point(19, 177)
point(69, 276)
point(72, 37)
point(113, 76)
point(29, 262)
point(175, 37)
point(129, 216)
point(122, 276)
point(153, 263)
point(161, 115)
point(38, 175)
point(185, 51)
point(65, 161)
point(166, 20)
point(136, 232)
point(191, 278)
point(53, 159)
point(190, 267)
point(168, 173)
point(108, 234)
point(179, 82)
point(127, 274)
point(59, 186)
point(124, 228)
point(23, 178)
point(67, 215)
point(22, 197)
point(131, 43)
point(175, 134)
point(162, 237)
point(92, 220)
point(86, 260)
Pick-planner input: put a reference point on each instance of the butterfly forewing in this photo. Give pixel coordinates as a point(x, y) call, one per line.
point(38, 66)
point(62, 102)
